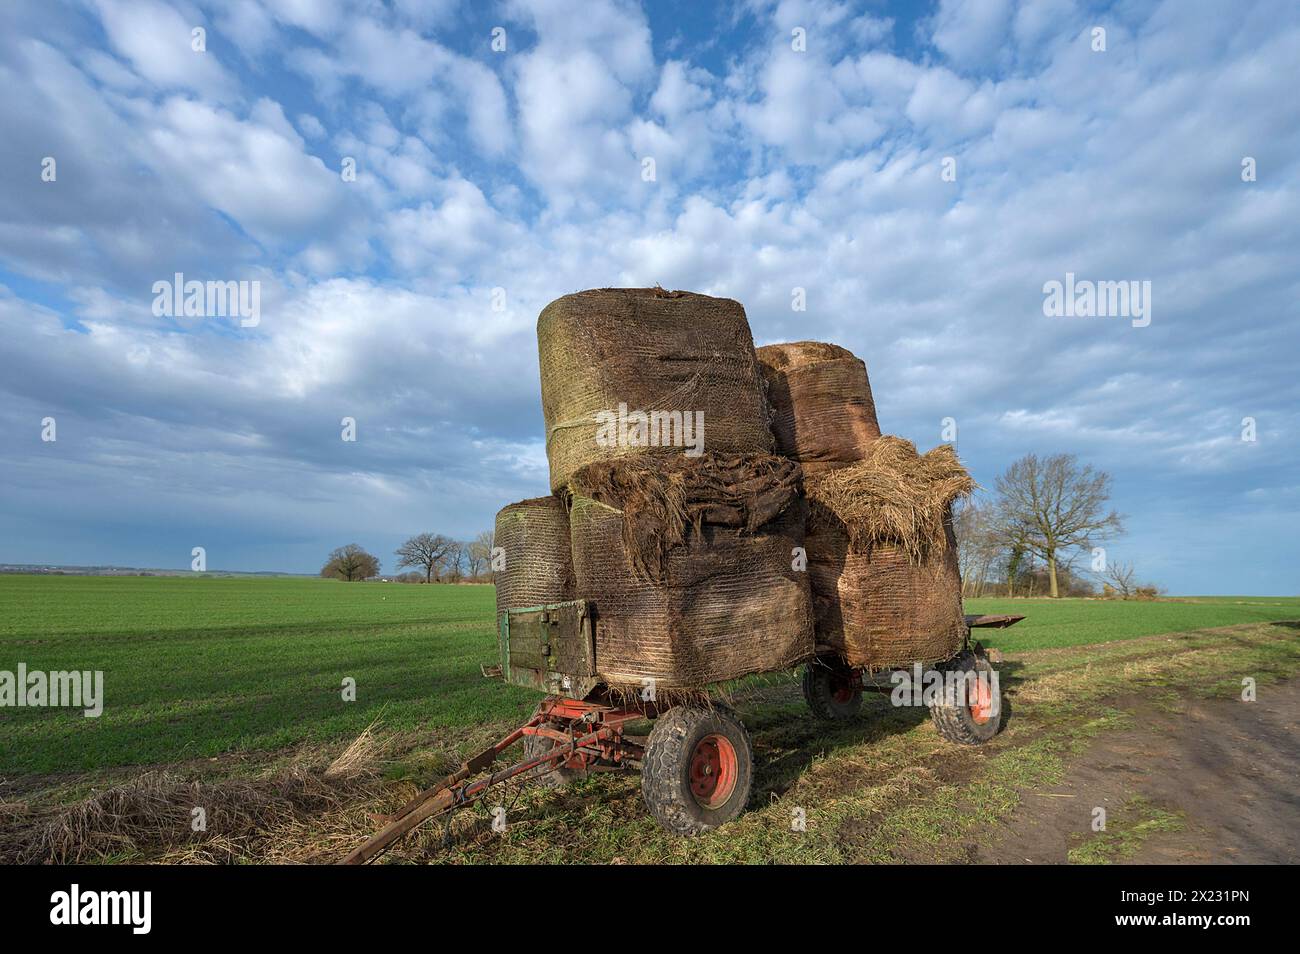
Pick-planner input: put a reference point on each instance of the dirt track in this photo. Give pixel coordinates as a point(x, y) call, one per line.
point(1230, 768)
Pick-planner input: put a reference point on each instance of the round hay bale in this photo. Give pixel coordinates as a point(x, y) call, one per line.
point(671, 356)
point(722, 602)
point(822, 412)
point(882, 556)
point(534, 538)
point(880, 609)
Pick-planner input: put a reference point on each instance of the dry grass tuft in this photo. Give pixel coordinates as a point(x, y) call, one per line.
point(311, 811)
point(362, 757)
point(893, 495)
point(155, 812)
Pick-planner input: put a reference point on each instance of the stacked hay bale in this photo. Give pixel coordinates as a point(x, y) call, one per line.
point(679, 355)
point(690, 564)
point(681, 522)
point(881, 553)
point(822, 412)
point(535, 535)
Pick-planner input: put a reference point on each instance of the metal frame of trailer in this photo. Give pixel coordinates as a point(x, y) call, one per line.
point(696, 764)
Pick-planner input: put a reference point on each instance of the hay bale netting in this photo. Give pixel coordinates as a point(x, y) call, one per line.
point(652, 351)
point(534, 537)
point(878, 608)
point(822, 412)
point(720, 602)
point(882, 556)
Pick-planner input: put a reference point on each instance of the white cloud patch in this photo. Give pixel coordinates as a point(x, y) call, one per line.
point(157, 41)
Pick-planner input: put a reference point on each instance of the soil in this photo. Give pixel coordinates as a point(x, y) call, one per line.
point(1230, 768)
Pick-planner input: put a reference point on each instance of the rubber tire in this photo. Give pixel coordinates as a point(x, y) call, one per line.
point(819, 693)
point(535, 745)
point(955, 723)
point(665, 771)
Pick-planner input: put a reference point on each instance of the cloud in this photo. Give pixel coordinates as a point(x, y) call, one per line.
point(521, 172)
point(254, 171)
point(401, 64)
point(970, 32)
point(157, 40)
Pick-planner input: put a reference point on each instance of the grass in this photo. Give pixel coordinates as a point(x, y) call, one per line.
point(1132, 824)
point(197, 667)
point(884, 789)
point(1076, 622)
point(246, 673)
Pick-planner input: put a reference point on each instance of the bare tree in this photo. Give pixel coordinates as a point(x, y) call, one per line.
point(978, 546)
point(425, 550)
point(478, 554)
point(350, 563)
point(1020, 565)
point(1054, 505)
point(1121, 578)
point(453, 562)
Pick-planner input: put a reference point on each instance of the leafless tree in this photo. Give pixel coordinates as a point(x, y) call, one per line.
point(1121, 578)
point(350, 563)
point(453, 562)
point(1054, 505)
point(978, 546)
point(427, 551)
point(478, 554)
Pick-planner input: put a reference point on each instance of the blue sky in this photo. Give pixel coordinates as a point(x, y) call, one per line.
point(521, 170)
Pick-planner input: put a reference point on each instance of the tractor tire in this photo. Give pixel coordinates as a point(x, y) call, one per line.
point(972, 722)
point(698, 769)
point(832, 690)
point(535, 745)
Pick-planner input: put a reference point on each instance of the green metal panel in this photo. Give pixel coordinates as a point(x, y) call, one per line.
point(551, 648)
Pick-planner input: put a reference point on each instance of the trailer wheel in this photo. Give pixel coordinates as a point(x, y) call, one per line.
point(832, 690)
point(535, 745)
point(975, 719)
point(698, 769)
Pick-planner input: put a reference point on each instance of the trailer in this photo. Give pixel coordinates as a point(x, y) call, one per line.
point(966, 706)
point(696, 762)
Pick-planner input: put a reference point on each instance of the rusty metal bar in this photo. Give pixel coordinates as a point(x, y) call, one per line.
point(475, 765)
point(993, 621)
point(452, 792)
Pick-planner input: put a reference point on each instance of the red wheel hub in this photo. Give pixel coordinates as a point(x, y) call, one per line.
point(843, 690)
point(981, 703)
point(713, 770)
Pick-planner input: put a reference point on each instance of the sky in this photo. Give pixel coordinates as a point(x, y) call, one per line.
point(920, 171)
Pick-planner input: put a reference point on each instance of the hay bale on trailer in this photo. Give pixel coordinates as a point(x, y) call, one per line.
point(822, 412)
point(676, 355)
point(689, 564)
point(877, 608)
point(534, 538)
point(882, 556)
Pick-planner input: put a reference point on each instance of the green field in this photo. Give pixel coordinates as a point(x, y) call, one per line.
point(1071, 622)
point(200, 666)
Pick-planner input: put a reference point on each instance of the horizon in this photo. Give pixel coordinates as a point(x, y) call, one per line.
point(928, 179)
point(18, 569)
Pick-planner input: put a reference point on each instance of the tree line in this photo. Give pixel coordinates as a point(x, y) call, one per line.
point(427, 557)
point(1042, 534)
